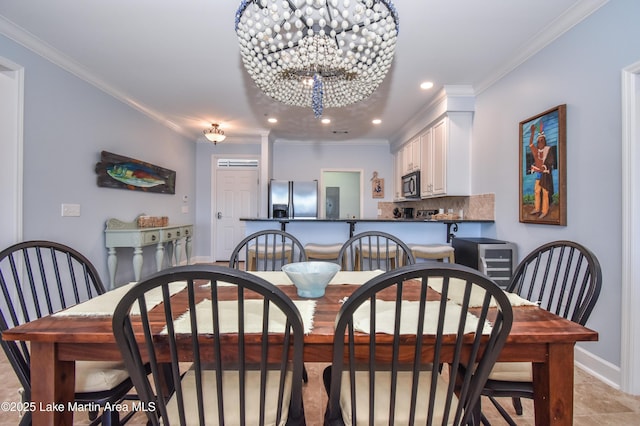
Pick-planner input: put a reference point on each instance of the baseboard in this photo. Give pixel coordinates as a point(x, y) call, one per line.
point(598, 367)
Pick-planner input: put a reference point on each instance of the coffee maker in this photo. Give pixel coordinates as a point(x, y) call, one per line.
point(407, 213)
point(280, 211)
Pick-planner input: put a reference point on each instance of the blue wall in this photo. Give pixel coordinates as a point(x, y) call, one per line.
point(582, 69)
point(67, 123)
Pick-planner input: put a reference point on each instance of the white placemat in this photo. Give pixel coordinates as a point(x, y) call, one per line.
point(456, 293)
point(385, 318)
point(228, 317)
point(105, 304)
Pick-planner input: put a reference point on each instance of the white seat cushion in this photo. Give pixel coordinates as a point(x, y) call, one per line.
point(323, 248)
point(512, 372)
point(231, 402)
point(403, 398)
point(375, 249)
point(431, 248)
point(94, 376)
point(271, 248)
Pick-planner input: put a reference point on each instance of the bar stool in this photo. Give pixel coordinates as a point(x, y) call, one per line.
point(322, 251)
point(278, 252)
point(433, 251)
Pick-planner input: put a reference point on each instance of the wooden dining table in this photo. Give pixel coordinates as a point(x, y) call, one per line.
point(58, 341)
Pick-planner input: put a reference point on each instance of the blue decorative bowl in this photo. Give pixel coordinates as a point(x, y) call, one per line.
point(311, 278)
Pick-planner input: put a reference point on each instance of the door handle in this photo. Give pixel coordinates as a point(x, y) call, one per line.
point(219, 215)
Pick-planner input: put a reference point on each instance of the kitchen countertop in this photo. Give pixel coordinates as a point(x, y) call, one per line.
point(414, 220)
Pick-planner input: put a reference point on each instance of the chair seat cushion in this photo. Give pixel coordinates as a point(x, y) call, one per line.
point(94, 376)
point(384, 250)
point(403, 398)
point(431, 248)
point(271, 248)
point(323, 248)
point(512, 372)
point(231, 403)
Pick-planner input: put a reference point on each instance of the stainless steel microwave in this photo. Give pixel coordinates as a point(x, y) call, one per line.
point(411, 185)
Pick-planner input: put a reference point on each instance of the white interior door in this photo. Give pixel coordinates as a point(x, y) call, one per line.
point(11, 108)
point(236, 196)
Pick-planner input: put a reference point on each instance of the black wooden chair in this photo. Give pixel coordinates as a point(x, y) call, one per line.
point(564, 277)
point(371, 250)
point(267, 250)
point(369, 383)
point(202, 371)
point(38, 278)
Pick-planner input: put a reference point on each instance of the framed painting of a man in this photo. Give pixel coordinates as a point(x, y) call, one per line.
point(543, 187)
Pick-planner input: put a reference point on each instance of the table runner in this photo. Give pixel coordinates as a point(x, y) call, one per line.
point(105, 304)
point(228, 317)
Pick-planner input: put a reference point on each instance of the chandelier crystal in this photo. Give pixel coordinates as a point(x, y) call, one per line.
point(317, 53)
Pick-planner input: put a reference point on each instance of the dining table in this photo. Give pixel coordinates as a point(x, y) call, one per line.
point(84, 332)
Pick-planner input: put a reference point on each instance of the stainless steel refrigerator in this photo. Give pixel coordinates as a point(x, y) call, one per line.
point(293, 199)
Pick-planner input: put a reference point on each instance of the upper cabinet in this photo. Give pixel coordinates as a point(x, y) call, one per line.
point(446, 157)
point(434, 158)
point(442, 149)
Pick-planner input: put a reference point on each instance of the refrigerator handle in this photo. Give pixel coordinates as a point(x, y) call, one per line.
point(291, 205)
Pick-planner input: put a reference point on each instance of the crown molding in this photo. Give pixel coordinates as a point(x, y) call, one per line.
point(563, 23)
point(39, 47)
point(355, 142)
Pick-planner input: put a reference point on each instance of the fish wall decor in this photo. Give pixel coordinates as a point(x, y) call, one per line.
point(117, 171)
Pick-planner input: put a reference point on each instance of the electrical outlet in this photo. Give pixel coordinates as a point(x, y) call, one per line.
point(185, 209)
point(70, 210)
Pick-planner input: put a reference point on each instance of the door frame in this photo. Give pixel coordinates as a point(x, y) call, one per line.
point(14, 134)
point(214, 201)
point(630, 319)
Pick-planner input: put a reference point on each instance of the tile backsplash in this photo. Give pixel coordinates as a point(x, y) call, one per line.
point(474, 207)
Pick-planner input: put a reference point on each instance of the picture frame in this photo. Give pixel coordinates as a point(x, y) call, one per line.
point(543, 184)
point(377, 188)
point(118, 171)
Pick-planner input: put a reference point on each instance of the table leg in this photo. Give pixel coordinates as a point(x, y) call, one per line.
point(187, 247)
point(553, 386)
point(178, 250)
point(112, 263)
point(137, 262)
point(159, 256)
point(52, 385)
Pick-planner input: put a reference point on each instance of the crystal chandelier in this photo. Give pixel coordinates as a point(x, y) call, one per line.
point(317, 53)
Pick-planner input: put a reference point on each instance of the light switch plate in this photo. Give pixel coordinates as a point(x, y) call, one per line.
point(70, 210)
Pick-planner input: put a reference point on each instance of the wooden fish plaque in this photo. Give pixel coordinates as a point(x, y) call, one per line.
point(117, 171)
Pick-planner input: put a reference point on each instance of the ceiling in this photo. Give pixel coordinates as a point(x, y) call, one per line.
point(179, 62)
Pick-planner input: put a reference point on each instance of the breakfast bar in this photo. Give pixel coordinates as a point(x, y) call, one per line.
point(357, 225)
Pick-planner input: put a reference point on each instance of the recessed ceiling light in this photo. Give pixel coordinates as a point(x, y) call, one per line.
point(376, 121)
point(426, 85)
point(325, 121)
point(272, 120)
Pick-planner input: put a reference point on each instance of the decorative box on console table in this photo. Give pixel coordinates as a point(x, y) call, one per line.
point(143, 232)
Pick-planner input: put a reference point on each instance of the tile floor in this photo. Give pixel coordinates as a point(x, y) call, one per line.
point(595, 403)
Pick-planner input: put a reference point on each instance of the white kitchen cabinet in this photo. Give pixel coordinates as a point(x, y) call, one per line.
point(446, 159)
point(398, 173)
point(411, 155)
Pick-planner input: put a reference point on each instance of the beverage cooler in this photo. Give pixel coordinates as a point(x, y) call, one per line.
point(495, 258)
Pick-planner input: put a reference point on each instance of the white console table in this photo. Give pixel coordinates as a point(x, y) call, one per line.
point(128, 234)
